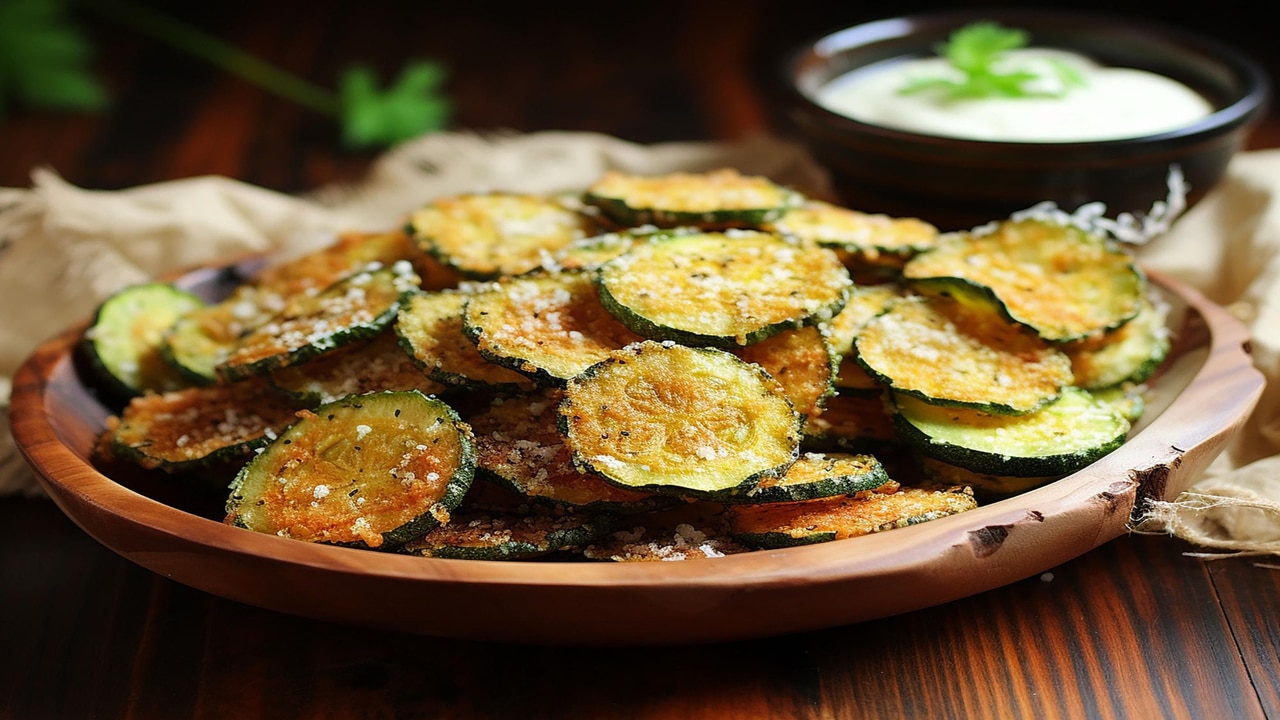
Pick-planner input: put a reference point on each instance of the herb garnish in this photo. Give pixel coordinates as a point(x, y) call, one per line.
point(976, 50)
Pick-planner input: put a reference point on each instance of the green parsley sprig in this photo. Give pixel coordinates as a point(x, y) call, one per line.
point(976, 50)
point(44, 63)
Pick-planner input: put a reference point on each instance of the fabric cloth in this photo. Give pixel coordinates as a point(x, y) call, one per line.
point(73, 247)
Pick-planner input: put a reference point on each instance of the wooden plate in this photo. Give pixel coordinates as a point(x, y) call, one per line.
point(1204, 394)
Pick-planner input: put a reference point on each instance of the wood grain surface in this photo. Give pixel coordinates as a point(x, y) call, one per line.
point(1134, 629)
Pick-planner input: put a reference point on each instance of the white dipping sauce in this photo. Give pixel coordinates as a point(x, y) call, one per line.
point(1114, 103)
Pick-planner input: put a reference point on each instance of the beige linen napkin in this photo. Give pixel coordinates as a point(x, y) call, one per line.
point(70, 248)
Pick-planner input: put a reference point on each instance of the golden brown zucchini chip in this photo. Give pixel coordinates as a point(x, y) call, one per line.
point(370, 470)
point(1058, 280)
point(199, 427)
point(430, 328)
point(695, 422)
point(355, 369)
point(724, 290)
point(484, 236)
point(813, 521)
point(949, 353)
point(865, 234)
point(518, 446)
point(549, 326)
point(358, 307)
point(720, 198)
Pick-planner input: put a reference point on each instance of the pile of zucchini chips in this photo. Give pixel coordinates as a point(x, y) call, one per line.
point(654, 368)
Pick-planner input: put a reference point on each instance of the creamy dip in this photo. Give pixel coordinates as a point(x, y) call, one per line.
point(1114, 103)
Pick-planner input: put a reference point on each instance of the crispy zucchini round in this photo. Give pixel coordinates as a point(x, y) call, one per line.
point(371, 470)
point(716, 199)
point(485, 236)
point(695, 422)
point(776, 525)
point(1071, 432)
point(723, 290)
point(548, 326)
point(949, 353)
point(1058, 280)
point(124, 342)
point(358, 307)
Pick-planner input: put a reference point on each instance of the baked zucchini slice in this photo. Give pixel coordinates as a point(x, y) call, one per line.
point(820, 475)
point(1071, 432)
point(485, 236)
point(430, 328)
point(694, 422)
point(866, 234)
point(518, 446)
point(123, 342)
point(865, 302)
point(200, 427)
point(547, 326)
point(358, 307)
point(716, 199)
point(803, 361)
point(724, 290)
point(372, 470)
point(355, 369)
point(492, 536)
point(1130, 353)
point(1058, 280)
point(776, 525)
point(950, 353)
point(202, 339)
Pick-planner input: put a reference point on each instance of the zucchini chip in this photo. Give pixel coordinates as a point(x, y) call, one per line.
point(372, 470)
point(949, 353)
point(802, 361)
point(1074, 430)
point(490, 536)
point(549, 327)
point(200, 427)
point(722, 290)
point(777, 525)
point(716, 199)
point(694, 422)
point(484, 236)
point(518, 446)
point(865, 302)
point(358, 307)
point(818, 475)
point(1129, 354)
point(355, 369)
point(124, 341)
point(866, 235)
point(430, 328)
point(1058, 280)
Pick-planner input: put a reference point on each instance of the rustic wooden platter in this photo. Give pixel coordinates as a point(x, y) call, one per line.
point(1205, 392)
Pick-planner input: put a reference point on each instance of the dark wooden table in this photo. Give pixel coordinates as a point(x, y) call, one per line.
point(1134, 629)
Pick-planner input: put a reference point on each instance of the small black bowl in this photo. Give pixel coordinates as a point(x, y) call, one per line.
point(958, 183)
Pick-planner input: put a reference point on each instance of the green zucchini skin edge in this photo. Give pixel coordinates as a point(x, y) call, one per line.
point(648, 328)
point(991, 463)
point(117, 389)
point(620, 211)
point(455, 488)
point(875, 477)
point(407, 283)
point(747, 484)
